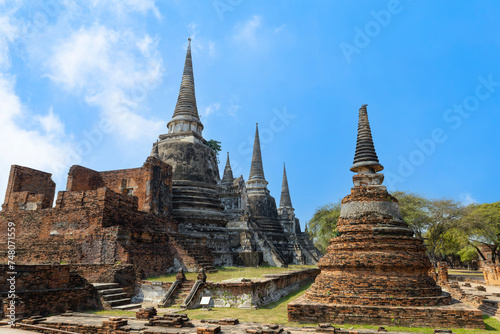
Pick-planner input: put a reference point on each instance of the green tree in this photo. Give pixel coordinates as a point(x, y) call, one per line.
point(468, 255)
point(434, 221)
point(482, 225)
point(415, 212)
point(456, 249)
point(323, 225)
point(215, 146)
point(444, 214)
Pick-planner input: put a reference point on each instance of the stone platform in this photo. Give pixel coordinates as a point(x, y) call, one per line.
point(98, 324)
point(456, 315)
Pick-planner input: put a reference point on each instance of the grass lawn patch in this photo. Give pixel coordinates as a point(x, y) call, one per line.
point(114, 313)
point(277, 313)
point(226, 273)
point(463, 272)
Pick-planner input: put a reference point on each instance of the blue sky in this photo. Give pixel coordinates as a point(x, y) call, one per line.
point(95, 82)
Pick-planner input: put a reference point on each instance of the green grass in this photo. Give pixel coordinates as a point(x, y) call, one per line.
point(463, 272)
point(277, 313)
point(226, 273)
point(113, 313)
point(272, 313)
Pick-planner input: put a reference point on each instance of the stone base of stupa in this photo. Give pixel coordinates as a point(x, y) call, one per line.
point(456, 315)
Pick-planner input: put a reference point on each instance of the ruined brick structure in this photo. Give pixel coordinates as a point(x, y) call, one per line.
point(239, 220)
point(375, 271)
point(28, 189)
point(172, 212)
point(45, 289)
point(103, 218)
point(491, 272)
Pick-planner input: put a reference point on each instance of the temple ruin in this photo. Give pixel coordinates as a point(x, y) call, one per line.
point(239, 220)
point(172, 212)
point(375, 271)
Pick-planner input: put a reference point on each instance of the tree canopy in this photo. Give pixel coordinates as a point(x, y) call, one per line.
point(481, 223)
point(450, 230)
point(323, 224)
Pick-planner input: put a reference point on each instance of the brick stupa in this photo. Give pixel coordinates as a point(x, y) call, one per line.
point(375, 271)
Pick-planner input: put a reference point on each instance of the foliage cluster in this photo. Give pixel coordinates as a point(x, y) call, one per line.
point(451, 231)
point(215, 146)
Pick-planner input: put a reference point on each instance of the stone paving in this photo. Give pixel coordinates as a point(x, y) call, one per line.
point(140, 326)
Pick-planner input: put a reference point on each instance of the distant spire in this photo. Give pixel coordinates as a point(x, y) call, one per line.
point(156, 154)
point(186, 102)
point(228, 173)
point(365, 156)
point(285, 201)
point(256, 169)
point(186, 109)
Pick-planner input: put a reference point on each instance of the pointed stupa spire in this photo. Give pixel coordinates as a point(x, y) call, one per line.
point(285, 201)
point(365, 157)
point(228, 172)
point(186, 116)
point(256, 169)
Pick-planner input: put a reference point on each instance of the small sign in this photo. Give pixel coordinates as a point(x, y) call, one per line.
point(207, 302)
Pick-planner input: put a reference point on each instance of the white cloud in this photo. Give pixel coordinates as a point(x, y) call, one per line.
point(199, 43)
point(50, 124)
point(8, 32)
point(279, 29)
point(233, 105)
point(121, 7)
point(36, 141)
point(211, 49)
point(467, 199)
point(112, 70)
point(247, 32)
point(255, 34)
point(45, 150)
point(211, 109)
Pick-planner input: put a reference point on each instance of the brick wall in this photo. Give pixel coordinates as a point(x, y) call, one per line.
point(491, 272)
point(255, 293)
point(93, 224)
point(82, 178)
point(311, 312)
point(28, 189)
point(44, 289)
point(151, 183)
point(75, 236)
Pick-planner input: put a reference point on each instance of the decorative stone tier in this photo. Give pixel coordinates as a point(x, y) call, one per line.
point(375, 271)
point(195, 175)
point(454, 316)
point(375, 260)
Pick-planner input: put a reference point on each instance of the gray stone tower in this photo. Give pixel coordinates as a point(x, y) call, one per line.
point(240, 223)
point(285, 207)
point(263, 208)
point(228, 172)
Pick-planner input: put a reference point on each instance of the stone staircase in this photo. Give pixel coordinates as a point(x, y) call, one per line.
point(181, 293)
point(274, 232)
point(308, 244)
point(113, 297)
point(490, 307)
point(184, 195)
point(193, 255)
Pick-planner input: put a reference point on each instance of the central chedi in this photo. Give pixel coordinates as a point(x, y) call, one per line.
point(375, 271)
